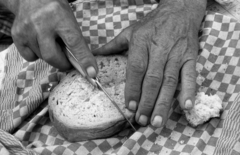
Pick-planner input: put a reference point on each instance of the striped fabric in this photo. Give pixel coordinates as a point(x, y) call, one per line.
point(10, 145)
point(29, 75)
point(229, 141)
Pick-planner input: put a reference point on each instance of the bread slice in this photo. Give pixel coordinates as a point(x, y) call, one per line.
point(81, 112)
point(205, 108)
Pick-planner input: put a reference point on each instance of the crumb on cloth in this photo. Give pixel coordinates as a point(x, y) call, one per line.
point(206, 107)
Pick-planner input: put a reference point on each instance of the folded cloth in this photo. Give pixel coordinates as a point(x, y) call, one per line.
point(25, 127)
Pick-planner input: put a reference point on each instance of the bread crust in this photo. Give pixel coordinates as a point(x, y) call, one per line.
point(74, 134)
point(72, 123)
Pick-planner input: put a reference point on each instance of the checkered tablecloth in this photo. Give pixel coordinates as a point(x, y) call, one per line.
point(25, 127)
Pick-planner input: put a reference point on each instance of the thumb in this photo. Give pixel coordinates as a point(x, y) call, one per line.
point(117, 45)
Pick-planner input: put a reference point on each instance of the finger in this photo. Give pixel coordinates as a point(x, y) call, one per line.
point(151, 86)
point(71, 35)
point(26, 52)
point(52, 53)
point(188, 76)
point(33, 45)
point(164, 101)
point(136, 69)
point(115, 46)
point(21, 44)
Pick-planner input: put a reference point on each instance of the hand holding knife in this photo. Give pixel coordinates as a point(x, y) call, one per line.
point(94, 81)
point(73, 60)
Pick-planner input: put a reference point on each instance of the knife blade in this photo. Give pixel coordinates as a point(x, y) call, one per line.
point(114, 103)
point(95, 82)
point(76, 64)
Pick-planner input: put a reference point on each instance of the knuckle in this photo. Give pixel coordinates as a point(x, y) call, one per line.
point(137, 65)
point(84, 56)
point(16, 32)
point(170, 80)
point(153, 79)
point(54, 6)
point(190, 77)
point(146, 106)
point(72, 38)
point(52, 10)
point(34, 17)
point(163, 104)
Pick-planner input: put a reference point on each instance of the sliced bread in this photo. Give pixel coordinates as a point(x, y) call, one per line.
point(81, 112)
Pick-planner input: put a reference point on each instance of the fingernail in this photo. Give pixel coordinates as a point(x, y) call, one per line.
point(143, 120)
point(132, 105)
point(188, 104)
point(91, 71)
point(157, 121)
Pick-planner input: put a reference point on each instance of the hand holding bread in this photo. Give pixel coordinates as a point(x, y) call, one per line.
point(81, 112)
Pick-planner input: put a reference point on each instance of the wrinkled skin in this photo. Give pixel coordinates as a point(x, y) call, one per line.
point(42, 28)
point(161, 47)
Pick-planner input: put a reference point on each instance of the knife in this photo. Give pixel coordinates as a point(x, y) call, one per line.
point(94, 81)
point(73, 60)
point(114, 103)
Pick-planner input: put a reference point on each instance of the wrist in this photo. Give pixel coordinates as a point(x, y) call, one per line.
point(195, 9)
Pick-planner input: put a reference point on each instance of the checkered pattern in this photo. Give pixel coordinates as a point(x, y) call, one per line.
point(218, 70)
point(103, 20)
point(10, 145)
point(218, 73)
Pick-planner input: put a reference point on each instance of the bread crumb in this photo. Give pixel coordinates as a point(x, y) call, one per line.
point(200, 79)
point(181, 142)
point(205, 108)
point(158, 140)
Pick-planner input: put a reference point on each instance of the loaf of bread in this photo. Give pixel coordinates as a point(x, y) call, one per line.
point(205, 108)
point(81, 112)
